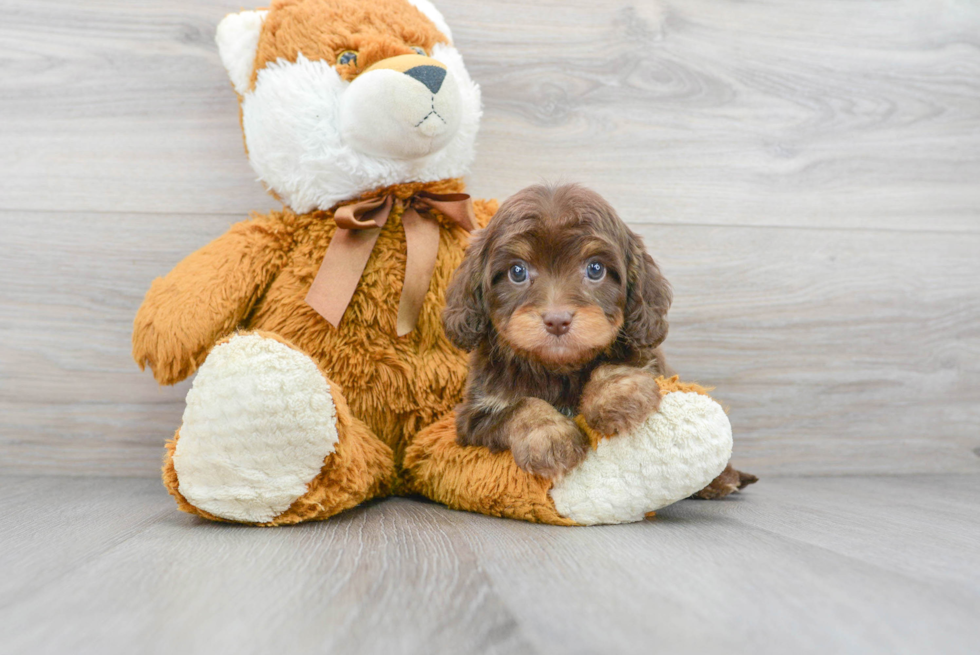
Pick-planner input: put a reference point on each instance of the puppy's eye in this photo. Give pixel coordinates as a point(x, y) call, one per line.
point(518, 273)
point(347, 57)
point(420, 51)
point(595, 271)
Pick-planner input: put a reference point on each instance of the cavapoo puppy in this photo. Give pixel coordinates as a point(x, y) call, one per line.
point(564, 312)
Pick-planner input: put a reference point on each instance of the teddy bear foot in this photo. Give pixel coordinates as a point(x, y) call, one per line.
point(675, 452)
point(267, 439)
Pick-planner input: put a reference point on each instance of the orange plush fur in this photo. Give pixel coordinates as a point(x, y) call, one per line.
point(375, 30)
point(396, 385)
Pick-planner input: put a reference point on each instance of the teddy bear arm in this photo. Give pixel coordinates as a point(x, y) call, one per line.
point(205, 298)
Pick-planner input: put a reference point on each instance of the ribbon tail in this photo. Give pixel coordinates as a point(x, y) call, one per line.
point(422, 242)
point(341, 270)
point(456, 206)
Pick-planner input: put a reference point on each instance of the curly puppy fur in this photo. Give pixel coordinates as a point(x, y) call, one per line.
point(563, 311)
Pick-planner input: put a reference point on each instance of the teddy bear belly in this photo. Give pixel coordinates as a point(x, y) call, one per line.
point(395, 385)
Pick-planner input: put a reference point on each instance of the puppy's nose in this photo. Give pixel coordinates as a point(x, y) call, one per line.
point(557, 323)
point(430, 76)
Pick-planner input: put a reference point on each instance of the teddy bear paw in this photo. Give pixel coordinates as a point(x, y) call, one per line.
point(259, 421)
point(675, 452)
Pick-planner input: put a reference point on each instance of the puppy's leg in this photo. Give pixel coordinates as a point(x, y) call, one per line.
point(619, 398)
point(729, 481)
point(542, 440)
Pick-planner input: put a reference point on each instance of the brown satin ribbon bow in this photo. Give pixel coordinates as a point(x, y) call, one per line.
point(358, 227)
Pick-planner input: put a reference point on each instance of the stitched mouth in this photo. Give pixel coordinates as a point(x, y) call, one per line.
point(432, 111)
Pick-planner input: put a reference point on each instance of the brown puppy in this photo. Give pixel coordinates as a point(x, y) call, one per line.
point(564, 312)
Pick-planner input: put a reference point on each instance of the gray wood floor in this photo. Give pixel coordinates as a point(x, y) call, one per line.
point(796, 565)
point(805, 172)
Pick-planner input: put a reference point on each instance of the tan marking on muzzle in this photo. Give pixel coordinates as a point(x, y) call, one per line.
point(402, 63)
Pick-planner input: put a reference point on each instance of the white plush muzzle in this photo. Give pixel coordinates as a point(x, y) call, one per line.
point(404, 115)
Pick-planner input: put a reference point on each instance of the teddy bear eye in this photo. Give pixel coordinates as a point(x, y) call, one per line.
point(595, 270)
point(518, 273)
point(420, 51)
point(347, 57)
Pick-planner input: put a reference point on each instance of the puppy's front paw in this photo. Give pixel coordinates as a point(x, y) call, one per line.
point(619, 398)
point(546, 443)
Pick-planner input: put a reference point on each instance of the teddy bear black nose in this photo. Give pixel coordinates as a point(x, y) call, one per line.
point(430, 76)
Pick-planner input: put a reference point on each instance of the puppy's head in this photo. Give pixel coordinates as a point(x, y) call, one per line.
point(557, 277)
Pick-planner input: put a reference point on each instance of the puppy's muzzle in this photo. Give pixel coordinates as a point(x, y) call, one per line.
point(403, 107)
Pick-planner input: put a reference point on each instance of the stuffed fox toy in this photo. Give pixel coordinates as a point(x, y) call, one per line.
point(324, 377)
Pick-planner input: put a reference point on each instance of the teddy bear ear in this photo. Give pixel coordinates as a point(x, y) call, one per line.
point(430, 12)
point(237, 38)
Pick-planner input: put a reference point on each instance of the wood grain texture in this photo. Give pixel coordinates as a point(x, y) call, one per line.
point(805, 173)
point(851, 114)
point(843, 114)
point(807, 565)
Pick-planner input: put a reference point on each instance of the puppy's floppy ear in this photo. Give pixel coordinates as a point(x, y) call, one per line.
point(648, 297)
point(466, 317)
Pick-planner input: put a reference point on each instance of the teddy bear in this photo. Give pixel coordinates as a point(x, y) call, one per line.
point(323, 374)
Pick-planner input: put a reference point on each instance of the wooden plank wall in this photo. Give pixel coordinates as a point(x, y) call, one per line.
point(807, 173)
